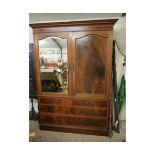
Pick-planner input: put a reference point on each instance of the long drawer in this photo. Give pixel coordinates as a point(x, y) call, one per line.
point(83, 111)
point(68, 101)
point(73, 120)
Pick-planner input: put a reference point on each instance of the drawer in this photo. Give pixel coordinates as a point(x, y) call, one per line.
point(90, 103)
point(51, 119)
point(83, 111)
point(50, 108)
point(91, 122)
point(75, 121)
point(56, 101)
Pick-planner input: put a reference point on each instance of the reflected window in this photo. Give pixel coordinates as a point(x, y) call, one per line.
point(53, 64)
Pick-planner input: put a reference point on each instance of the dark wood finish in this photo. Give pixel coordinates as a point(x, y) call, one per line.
point(76, 129)
point(73, 120)
point(83, 111)
point(90, 103)
point(87, 107)
point(56, 101)
point(75, 23)
point(90, 64)
point(99, 25)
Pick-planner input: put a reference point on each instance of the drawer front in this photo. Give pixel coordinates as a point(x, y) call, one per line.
point(90, 103)
point(56, 101)
point(75, 121)
point(91, 122)
point(83, 111)
point(61, 111)
point(51, 119)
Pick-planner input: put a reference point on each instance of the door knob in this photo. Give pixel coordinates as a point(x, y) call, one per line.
point(71, 67)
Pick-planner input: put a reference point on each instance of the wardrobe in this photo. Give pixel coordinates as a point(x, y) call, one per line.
point(73, 62)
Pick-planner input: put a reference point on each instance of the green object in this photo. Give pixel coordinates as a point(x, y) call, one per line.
point(121, 93)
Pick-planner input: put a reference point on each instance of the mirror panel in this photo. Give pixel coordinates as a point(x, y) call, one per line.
point(53, 65)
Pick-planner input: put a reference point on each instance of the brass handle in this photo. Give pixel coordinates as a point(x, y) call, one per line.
point(71, 67)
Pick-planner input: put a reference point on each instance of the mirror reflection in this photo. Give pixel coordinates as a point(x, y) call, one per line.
point(53, 64)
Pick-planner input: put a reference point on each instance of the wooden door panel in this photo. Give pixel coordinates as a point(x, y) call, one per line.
point(90, 62)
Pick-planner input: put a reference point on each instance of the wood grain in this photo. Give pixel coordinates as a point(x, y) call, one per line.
point(82, 111)
point(90, 65)
point(73, 120)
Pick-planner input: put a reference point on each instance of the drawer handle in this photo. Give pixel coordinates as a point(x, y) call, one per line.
point(71, 67)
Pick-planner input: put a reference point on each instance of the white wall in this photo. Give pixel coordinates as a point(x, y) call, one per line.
point(31, 35)
point(119, 31)
point(120, 36)
point(52, 17)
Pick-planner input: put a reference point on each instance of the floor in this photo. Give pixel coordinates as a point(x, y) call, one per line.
point(51, 136)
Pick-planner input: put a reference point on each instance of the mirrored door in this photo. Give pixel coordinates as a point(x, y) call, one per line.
point(53, 65)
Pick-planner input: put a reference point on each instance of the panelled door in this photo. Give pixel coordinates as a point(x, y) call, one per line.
point(52, 63)
point(92, 63)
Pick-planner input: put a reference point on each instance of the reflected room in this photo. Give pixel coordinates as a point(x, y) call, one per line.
point(53, 65)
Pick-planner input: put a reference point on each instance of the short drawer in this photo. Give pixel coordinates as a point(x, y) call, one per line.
point(51, 119)
point(56, 101)
point(90, 103)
